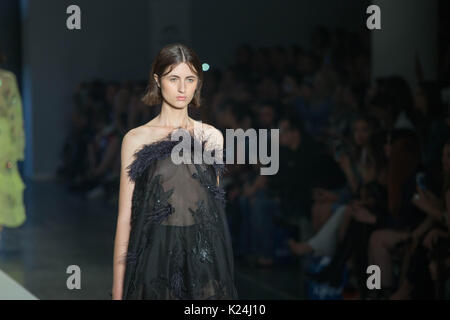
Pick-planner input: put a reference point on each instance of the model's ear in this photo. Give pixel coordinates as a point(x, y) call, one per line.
point(156, 79)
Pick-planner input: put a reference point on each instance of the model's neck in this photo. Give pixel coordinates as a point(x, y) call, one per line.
point(172, 117)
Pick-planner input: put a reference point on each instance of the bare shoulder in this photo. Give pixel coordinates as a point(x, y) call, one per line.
point(135, 138)
point(213, 135)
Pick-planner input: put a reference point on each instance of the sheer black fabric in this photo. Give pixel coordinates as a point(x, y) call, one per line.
point(179, 245)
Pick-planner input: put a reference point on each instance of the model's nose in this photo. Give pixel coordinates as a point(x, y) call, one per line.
point(181, 87)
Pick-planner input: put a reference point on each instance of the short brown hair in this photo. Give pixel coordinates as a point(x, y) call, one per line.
point(169, 57)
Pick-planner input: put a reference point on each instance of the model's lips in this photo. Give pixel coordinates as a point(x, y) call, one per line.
point(181, 98)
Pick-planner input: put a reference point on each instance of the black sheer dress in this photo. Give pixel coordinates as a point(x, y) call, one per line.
point(179, 245)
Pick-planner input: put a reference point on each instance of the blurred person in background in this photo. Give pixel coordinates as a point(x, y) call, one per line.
point(316, 108)
point(102, 164)
point(348, 154)
point(12, 146)
point(407, 224)
point(434, 201)
point(139, 113)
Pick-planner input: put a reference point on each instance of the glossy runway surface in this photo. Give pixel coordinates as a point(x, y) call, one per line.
point(11, 290)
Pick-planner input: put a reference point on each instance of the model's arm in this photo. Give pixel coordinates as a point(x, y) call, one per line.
point(123, 220)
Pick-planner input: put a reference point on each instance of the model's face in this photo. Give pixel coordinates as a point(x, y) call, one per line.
point(178, 86)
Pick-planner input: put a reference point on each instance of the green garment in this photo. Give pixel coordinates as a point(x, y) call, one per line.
point(12, 145)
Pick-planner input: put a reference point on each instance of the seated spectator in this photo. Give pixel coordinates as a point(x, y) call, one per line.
point(315, 108)
point(405, 221)
point(74, 151)
point(428, 110)
point(348, 155)
point(103, 158)
point(300, 165)
point(346, 234)
point(418, 281)
point(139, 112)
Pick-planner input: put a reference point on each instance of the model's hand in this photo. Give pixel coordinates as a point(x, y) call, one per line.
point(116, 296)
point(116, 293)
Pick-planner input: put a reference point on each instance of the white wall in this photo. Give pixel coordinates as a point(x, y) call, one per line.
point(406, 27)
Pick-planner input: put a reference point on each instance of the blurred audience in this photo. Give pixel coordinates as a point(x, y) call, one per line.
point(358, 160)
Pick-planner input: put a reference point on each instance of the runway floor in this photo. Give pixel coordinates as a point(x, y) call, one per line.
point(11, 290)
point(62, 229)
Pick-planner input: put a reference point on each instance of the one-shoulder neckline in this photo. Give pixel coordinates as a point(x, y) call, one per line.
point(166, 137)
point(162, 148)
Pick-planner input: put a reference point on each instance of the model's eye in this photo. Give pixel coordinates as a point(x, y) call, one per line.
point(191, 80)
point(173, 79)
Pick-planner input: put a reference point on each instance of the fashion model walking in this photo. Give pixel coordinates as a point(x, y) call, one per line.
point(172, 239)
